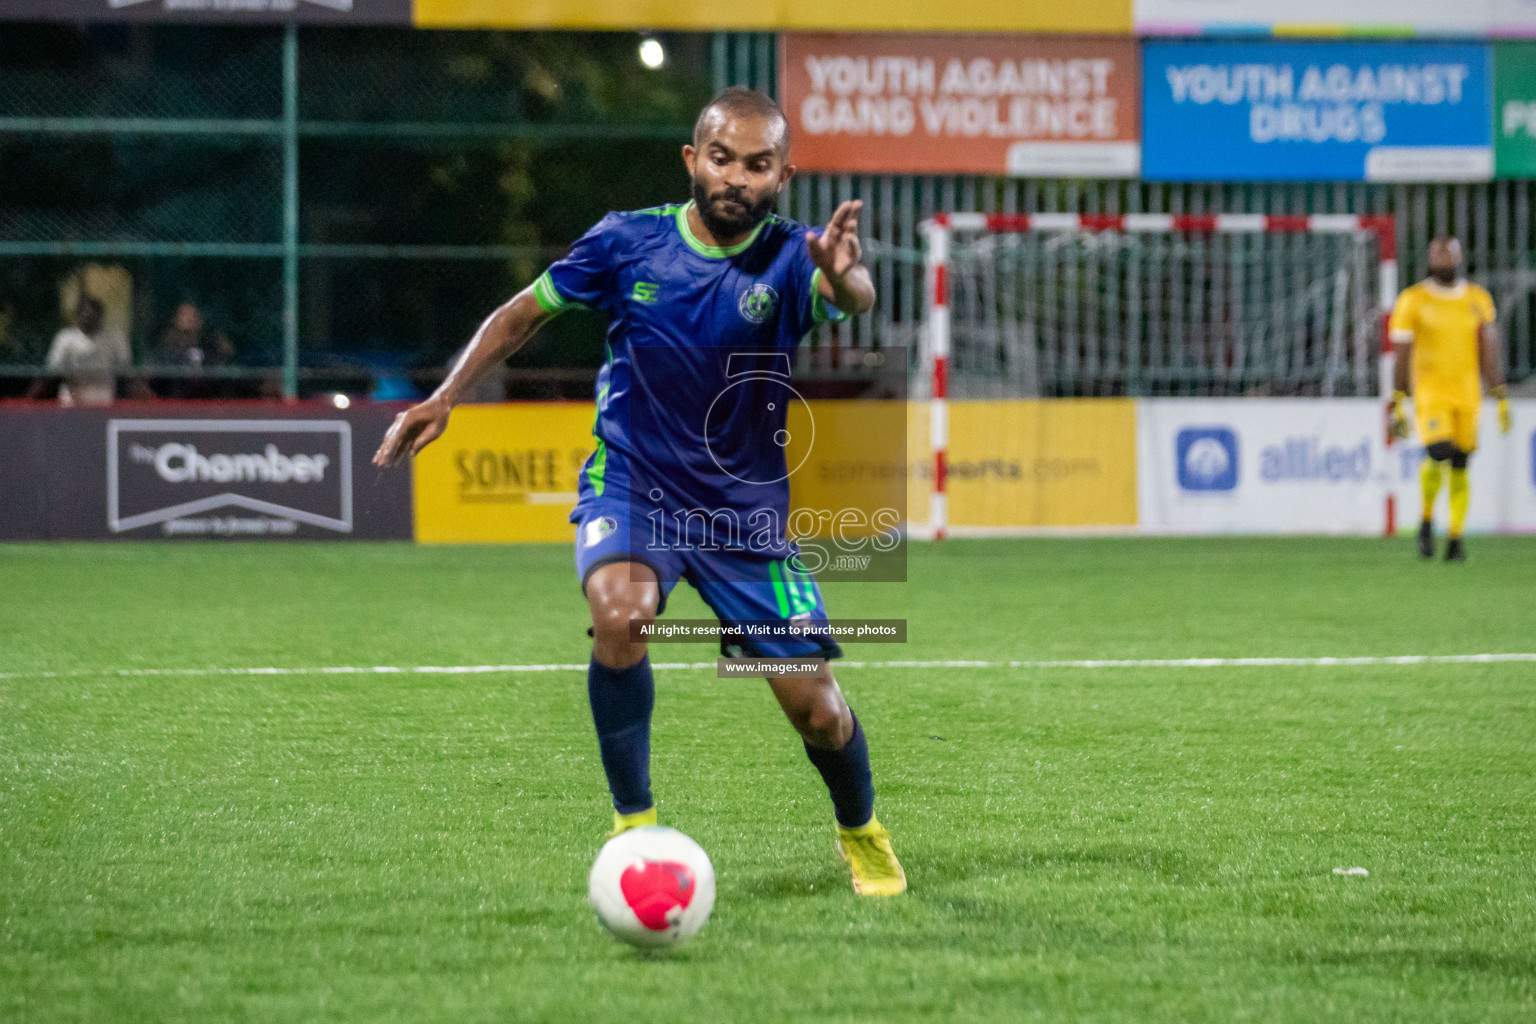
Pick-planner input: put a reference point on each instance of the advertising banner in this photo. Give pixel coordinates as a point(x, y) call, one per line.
point(1502, 476)
point(1298, 465)
point(503, 473)
point(509, 474)
point(1021, 465)
point(1258, 465)
point(253, 473)
point(1326, 18)
point(1316, 112)
point(713, 15)
point(1514, 110)
point(957, 104)
point(335, 12)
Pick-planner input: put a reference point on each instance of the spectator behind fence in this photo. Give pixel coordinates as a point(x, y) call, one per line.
point(185, 345)
point(88, 357)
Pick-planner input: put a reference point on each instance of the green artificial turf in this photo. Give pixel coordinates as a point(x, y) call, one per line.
point(1115, 844)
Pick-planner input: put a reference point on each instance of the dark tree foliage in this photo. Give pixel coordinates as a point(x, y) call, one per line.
point(407, 138)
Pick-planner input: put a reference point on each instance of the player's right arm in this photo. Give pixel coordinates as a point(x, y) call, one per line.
point(1491, 358)
point(503, 333)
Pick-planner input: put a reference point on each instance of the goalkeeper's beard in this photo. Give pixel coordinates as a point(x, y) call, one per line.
point(730, 221)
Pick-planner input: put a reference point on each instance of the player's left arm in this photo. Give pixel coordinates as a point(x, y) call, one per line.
point(837, 253)
point(1400, 330)
point(1491, 355)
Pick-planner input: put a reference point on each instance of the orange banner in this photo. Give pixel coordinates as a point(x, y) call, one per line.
point(957, 104)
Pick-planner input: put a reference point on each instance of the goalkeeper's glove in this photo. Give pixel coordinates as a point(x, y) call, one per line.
point(1397, 422)
point(1505, 422)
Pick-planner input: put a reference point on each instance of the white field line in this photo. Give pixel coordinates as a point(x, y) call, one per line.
point(1093, 663)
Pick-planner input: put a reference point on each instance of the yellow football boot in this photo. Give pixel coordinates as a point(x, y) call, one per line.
point(867, 849)
point(624, 822)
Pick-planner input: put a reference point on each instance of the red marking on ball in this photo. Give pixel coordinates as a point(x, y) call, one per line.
point(658, 891)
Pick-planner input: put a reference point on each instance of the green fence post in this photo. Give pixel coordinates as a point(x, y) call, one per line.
point(291, 212)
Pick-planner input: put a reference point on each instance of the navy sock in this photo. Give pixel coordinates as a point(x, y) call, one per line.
point(846, 773)
point(622, 699)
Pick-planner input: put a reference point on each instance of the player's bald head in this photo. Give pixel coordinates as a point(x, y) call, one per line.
point(1445, 258)
point(737, 103)
point(1445, 247)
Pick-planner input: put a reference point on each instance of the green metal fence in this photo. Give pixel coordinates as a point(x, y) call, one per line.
point(343, 202)
point(347, 204)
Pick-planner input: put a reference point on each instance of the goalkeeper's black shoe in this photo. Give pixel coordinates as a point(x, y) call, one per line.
point(1426, 540)
point(1454, 552)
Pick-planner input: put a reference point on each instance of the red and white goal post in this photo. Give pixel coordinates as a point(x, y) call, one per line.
point(947, 231)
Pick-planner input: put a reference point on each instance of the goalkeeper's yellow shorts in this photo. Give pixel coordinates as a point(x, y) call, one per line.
point(1441, 419)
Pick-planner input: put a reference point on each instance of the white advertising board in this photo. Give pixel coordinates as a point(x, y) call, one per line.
point(1260, 465)
point(1502, 476)
point(1311, 466)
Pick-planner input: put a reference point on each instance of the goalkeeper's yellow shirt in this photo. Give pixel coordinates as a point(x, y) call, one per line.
point(1444, 324)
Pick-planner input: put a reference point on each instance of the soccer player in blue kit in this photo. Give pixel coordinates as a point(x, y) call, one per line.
point(689, 446)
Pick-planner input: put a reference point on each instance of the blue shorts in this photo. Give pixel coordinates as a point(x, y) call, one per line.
point(739, 586)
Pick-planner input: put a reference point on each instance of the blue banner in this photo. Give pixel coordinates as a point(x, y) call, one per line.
point(1276, 111)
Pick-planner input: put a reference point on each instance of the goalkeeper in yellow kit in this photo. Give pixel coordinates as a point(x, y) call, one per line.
point(1444, 332)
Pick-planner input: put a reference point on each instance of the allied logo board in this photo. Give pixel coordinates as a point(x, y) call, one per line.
point(958, 104)
point(1312, 465)
point(1501, 473)
point(1283, 111)
point(1261, 465)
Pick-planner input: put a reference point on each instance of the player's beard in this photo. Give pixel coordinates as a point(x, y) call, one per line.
point(1443, 275)
point(728, 220)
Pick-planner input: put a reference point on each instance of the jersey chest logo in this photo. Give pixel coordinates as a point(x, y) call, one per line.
point(758, 303)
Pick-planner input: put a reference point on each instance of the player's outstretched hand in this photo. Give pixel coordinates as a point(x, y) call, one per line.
point(412, 431)
point(838, 251)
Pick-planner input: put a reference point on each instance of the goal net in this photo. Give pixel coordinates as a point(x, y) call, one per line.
point(1070, 306)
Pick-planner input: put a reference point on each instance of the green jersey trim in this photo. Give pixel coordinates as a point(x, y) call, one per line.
point(550, 299)
point(599, 467)
point(791, 590)
point(820, 311)
point(714, 252)
point(778, 589)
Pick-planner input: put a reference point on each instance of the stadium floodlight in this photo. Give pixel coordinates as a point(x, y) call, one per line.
point(652, 54)
point(1017, 304)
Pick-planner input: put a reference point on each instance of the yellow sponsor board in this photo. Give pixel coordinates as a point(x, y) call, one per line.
point(710, 15)
point(1024, 464)
point(508, 473)
point(503, 473)
point(850, 463)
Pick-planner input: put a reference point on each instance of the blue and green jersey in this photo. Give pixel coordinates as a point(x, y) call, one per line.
point(693, 398)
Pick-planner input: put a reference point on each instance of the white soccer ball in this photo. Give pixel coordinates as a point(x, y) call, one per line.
point(652, 886)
